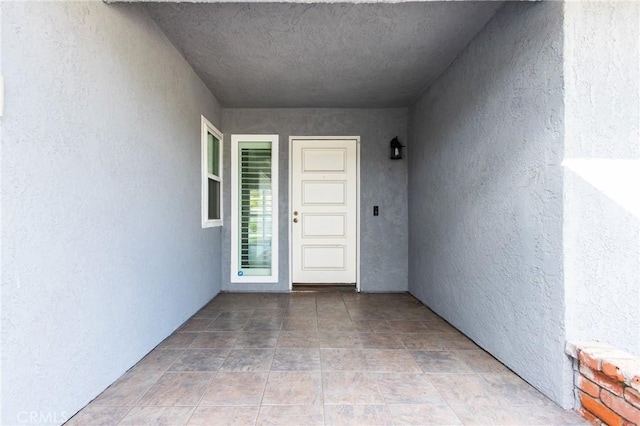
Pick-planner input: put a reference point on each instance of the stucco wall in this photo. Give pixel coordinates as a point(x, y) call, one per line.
point(485, 185)
point(602, 171)
point(383, 253)
point(103, 254)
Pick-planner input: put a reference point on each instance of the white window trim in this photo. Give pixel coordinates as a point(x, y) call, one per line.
point(273, 278)
point(206, 127)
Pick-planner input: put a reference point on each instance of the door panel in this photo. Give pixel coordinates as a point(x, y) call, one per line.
point(324, 211)
point(324, 225)
point(323, 257)
point(324, 193)
point(324, 160)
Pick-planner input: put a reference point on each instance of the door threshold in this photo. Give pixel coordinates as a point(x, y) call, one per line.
point(324, 288)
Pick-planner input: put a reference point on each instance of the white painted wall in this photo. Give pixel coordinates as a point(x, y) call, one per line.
point(485, 194)
point(602, 172)
point(103, 254)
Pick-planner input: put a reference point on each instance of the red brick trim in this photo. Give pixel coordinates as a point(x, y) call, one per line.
point(607, 382)
point(632, 396)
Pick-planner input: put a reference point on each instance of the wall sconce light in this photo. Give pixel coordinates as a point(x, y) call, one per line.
point(396, 149)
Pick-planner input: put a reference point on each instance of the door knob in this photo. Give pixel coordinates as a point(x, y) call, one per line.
point(295, 213)
point(295, 220)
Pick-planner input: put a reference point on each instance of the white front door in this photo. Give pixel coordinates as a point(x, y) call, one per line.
point(324, 191)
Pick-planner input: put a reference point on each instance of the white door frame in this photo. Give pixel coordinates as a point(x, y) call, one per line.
point(290, 213)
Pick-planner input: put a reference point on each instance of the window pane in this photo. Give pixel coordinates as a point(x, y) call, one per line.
point(213, 155)
point(214, 199)
point(255, 198)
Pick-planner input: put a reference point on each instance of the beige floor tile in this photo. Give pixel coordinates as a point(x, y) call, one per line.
point(301, 307)
point(233, 302)
point(357, 415)
point(351, 388)
point(128, 390)
point(427, 342)
point(464, 389)
point(381, 341)
point(332, 311)
point(214, 340)
point(411, 313)
point(235, 388)
point(296, 360)
point(273, 302)
point(440, 326)
point(390, 361)
point(302, 310)
point(339, 339)
point(372, 326)
point(405, 388)
point(368, 315)
point(440, 362)
point(302, 298)
point(343, 360)
point(330, 305)
point(298, 339)
point(177, 389)
point(248, 360)
point(195, 324)
point(363, 367)
point(481, 362)
point(423, 415)
point(304, 415)
point(546, 415)
point(257, 339)
point(158, 360)
point(486, 415)
point(345, 325)
point(337, 317)
point(227, 324)
point(95, 415)
point(224, 416)
point(139, 416)
point(269, 313)
point(177, 341)
point(408, 326)
point(261, 324)
point(207, 313)
point(338, 314)
point(293, 388)
point(428, 315)
point(239, 315)
point(200, 360)
point(302, 315)
point(293, 324)
point(511, 389)
point(456, 341)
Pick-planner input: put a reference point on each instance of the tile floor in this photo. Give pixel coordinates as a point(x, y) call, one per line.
point(319, 358)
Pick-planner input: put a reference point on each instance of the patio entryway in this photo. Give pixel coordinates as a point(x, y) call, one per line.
point(308, 358)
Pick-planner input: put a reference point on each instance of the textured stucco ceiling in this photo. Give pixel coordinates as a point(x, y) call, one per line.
point(320, 55)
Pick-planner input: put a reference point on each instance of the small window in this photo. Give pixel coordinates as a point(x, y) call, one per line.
point(211, 175)
point(254, 208)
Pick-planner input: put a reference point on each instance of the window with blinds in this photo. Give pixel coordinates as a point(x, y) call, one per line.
point(256, 208)
point(254, 205)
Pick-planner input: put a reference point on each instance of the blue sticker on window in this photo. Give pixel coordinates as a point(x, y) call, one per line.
point(240, 273)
